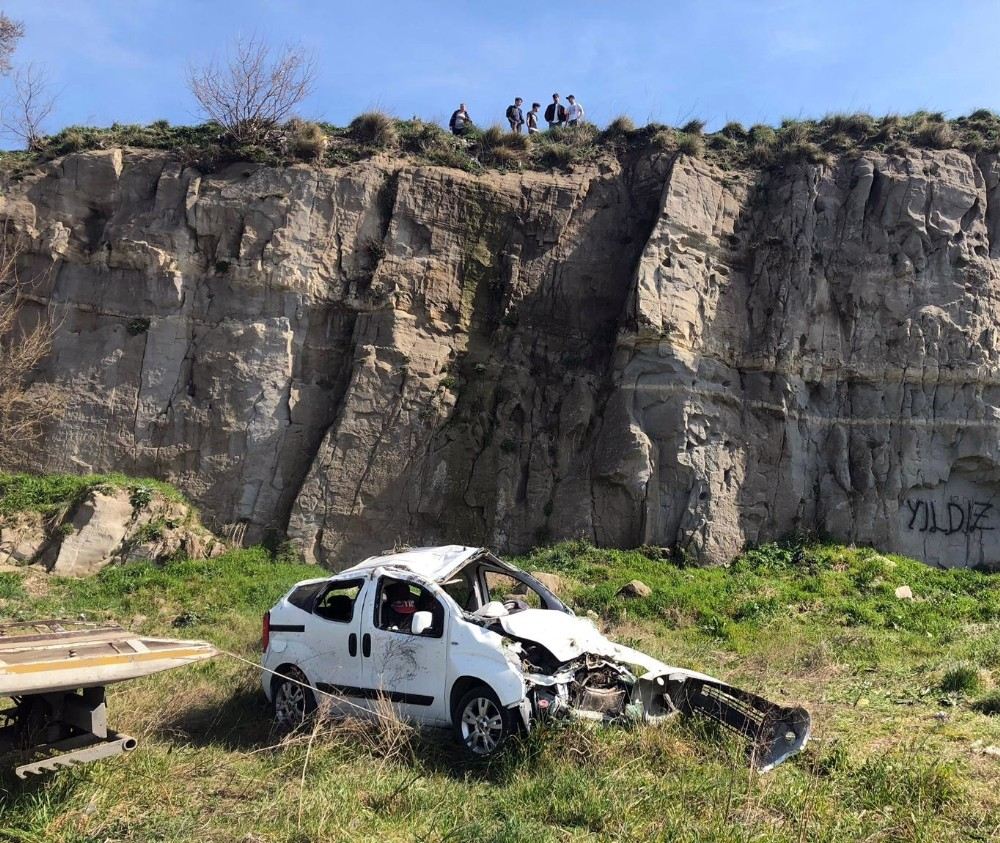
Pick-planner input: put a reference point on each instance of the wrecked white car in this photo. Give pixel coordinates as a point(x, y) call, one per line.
point(455, 637)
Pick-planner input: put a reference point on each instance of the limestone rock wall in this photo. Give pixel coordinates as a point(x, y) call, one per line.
point(650, 351)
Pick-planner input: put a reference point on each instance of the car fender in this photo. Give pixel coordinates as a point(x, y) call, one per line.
point(483, 655)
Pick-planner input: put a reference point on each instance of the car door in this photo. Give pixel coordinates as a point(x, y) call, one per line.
point(408, 669)
point(333, 631)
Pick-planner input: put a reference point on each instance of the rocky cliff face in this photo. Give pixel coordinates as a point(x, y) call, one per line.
point(651, 351)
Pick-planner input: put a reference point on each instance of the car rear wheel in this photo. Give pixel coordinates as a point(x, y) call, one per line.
point(482, 725)
point(294, 701)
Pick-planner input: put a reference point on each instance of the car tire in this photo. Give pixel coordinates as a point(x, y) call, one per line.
point(482, 725)
point(293, 700)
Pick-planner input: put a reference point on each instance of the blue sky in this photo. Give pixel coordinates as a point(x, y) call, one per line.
point(752, 61)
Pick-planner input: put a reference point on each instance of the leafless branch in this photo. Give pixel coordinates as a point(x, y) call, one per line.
point(11, 31)
point(22, 348)
point(31, 105)
point(254, 88)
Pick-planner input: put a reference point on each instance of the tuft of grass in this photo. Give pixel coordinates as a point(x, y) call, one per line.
point(663, 140)
point(693, 127)
point(988, 705)
point(856, 126)
point(558, 155)
point(374, 128)
point(935, 134)
point(308, 140)
point(960, 679)
point(690, 144)
point(621, 127)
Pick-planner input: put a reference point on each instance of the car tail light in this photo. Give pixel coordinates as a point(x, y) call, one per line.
point(265, 633)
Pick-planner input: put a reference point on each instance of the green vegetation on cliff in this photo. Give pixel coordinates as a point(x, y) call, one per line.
point(813, 141)
point(900, 746)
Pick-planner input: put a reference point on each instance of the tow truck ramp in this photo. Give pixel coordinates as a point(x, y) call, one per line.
point(54, 674)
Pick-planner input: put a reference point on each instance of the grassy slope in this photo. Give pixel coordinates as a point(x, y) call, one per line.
point(818, 624)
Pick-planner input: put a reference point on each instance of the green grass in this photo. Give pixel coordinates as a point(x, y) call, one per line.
point(811, 623)
point(49, 493)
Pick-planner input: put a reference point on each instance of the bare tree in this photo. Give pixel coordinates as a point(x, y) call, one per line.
point(11, 31)
point(254, 88)
point(22, 348)
point(30, 106)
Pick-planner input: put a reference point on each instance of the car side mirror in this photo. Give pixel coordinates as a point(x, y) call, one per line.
point(422, 621)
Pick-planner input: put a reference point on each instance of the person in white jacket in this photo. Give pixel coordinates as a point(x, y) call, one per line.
point(574, 111)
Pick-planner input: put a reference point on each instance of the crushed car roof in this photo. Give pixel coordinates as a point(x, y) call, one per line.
point(430, 562)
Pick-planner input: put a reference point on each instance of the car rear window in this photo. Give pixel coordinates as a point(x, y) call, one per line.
point(304, 595)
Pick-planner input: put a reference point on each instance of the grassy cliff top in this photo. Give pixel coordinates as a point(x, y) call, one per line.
point(901, 692)
point(51, 493)
point(733, 146)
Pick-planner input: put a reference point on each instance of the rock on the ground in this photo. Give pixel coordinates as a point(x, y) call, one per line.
point(22, 538)
point(904, 592)
point(635, 588)
point(553, 582)
point(98, 527)
point(645, 351)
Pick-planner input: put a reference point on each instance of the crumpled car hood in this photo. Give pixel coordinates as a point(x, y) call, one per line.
point(568, 637)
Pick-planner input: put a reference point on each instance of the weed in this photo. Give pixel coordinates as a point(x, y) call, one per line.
point(934, 134)
point(690, 144)
point(308, 140)
point(988, 705)
point(960, 679)
point(621, 127)
point(663, 140)
point(558, 155)
point(693, 127)
point(374, 128)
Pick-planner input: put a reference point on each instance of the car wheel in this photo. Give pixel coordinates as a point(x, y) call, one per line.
point(294, 701)
point(481, 723)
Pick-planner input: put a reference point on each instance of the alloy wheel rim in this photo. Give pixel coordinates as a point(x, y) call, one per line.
point(291, 703)
point(482, 725)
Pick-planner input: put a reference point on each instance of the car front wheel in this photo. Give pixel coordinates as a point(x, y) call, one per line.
point(482, 725)
point(293, 699)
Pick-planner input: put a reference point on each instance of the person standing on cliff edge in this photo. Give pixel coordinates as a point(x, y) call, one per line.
point(555, 114)
point(533, 118)
point(460, 120)
point(515, 116)
point(574, 112)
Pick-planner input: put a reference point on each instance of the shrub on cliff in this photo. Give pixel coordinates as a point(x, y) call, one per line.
point(690, 144)
point(307, 140)
point(935, 134)
point(253, 89)
point(374, 128)
point(619, 128)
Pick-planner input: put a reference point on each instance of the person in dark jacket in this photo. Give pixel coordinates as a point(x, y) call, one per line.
point(555, 114)
point(515, 116)
point(460, 121)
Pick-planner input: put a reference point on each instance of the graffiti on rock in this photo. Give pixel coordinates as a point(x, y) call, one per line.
point(964, 516)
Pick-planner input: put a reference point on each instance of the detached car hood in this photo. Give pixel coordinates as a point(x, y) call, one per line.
point(568, 637)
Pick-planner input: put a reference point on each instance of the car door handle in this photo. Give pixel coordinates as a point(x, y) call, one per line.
point(352, 645)
point(366, 645)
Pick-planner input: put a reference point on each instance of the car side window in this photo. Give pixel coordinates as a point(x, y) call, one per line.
point(503, 587)
point(462, 589)
point(398, 601)
point(337, 602)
